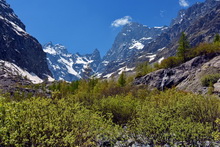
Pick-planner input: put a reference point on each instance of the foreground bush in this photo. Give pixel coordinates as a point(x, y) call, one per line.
point(172, 117)
point(46, 122)
point(123, 108)
point(93, 112)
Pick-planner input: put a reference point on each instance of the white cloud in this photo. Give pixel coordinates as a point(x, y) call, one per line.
point(162, 13)
point(183, 3)
point(121, 21)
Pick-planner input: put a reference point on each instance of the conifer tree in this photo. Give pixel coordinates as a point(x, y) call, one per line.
point(183, 47)
point(122, 80)
point(217, 38)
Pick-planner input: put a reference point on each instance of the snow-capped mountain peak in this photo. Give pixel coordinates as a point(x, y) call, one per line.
point(129, 42)
point(67, 66)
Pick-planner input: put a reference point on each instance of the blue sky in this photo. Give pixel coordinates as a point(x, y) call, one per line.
point(83, 25)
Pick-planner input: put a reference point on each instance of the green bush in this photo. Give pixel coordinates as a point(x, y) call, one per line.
point(46, 122)
point(144, 68)
point(122, 108)
point(209, 80)
point(170, 62)
point(171, 117)
point(205, 49)
point(216, 134)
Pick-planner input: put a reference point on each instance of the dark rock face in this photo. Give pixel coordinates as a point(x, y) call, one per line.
point(70, 67)
point(17, 46)
point(185, 77)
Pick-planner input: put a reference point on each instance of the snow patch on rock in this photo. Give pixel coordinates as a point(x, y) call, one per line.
point(15, 70)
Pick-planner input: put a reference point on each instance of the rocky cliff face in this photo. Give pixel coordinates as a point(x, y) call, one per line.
point(129, 42)
point(185, 77)
point(136, 43)
point(200, 22)
point(69, 67)
point(131, 39)
point(18, 47)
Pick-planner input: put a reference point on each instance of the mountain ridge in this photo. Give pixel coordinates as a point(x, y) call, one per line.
point(18, 47)
point(68, 66)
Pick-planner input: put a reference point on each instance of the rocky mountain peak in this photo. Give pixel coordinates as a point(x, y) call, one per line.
point(129, 41)
point(8, 14)
point(18, 47)
point(57, 49)
point(67, 66)
point(96, 55)
point(200, 22)
point(194, 12)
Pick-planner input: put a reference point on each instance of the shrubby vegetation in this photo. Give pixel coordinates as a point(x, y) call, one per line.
point(210, 79)
point(144, 68)
point(47, 122)
point(171, 117)
point(96, 112)
point(92, 112)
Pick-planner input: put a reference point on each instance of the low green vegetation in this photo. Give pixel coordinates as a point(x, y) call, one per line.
point(144, 68)
point(210, 79)
point(47, 122)
point(92, 112)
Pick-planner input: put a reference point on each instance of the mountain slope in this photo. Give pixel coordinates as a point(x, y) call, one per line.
point(200, 22)
point(127, 44)
point(69, 67)
point(18, 47)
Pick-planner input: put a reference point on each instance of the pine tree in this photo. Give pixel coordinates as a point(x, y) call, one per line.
point(183, 47)
point(217, 38)
point(122, 80)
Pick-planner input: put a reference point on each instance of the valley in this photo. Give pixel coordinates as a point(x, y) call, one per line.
point(156, 86)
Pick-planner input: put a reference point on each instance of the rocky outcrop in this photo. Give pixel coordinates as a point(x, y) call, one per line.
point(185, 77)
point(17, 46)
